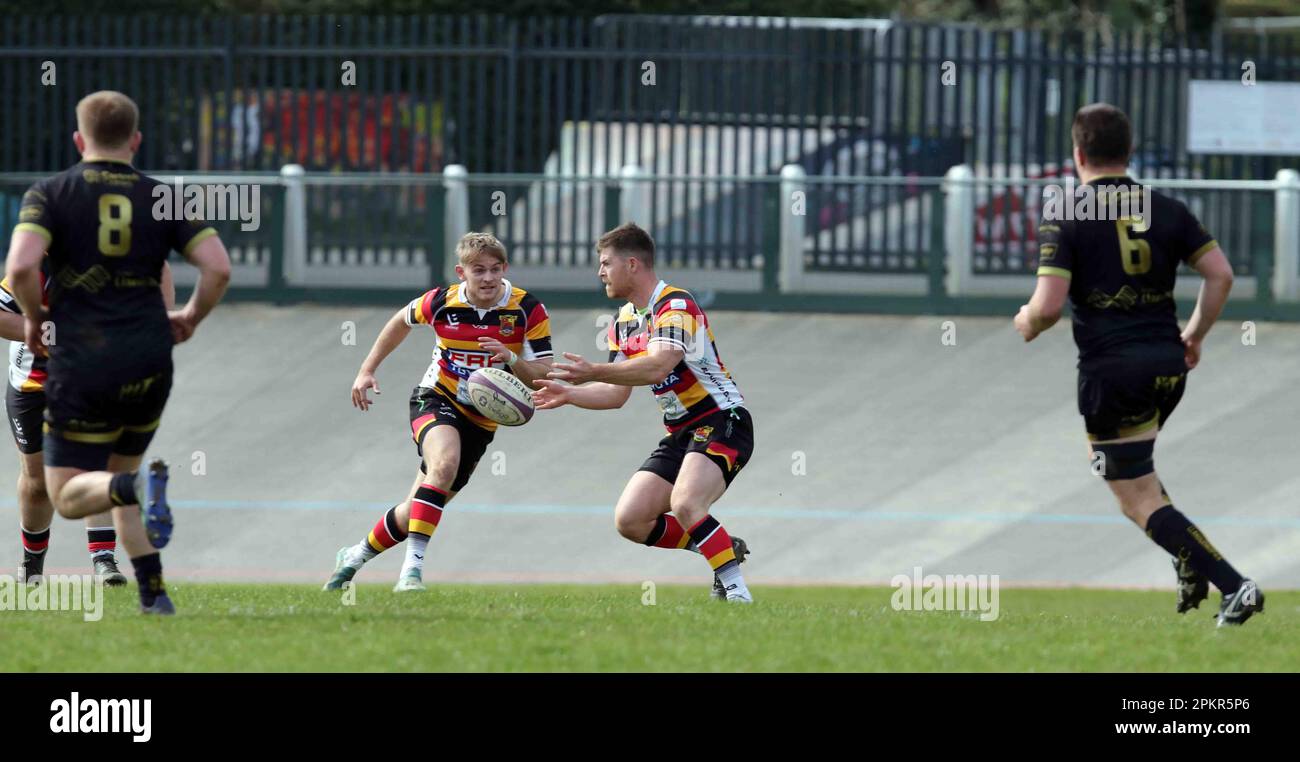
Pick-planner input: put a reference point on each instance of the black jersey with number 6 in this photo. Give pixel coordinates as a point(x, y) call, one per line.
point(108, 236)
point(1121, 270)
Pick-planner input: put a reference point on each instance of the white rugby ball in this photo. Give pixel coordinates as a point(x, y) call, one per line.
point(500, 396)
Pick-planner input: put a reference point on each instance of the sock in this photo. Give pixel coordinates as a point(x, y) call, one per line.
point(715, 545)
point(426, 512)
point(668, 532)
point(121, 490)
point(1182, 539)
point(385, 535)
point(101, 540)
point(148, 577)
point(35, 543)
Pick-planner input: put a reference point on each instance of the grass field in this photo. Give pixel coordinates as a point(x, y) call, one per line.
point(221, 628)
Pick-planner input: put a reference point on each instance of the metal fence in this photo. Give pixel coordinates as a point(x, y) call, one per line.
point(683, 95)
point(960, 242)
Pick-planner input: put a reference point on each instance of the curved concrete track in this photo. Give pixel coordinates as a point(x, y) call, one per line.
point(879, 448)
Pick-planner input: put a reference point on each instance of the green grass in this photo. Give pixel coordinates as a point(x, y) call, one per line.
point(227, 628)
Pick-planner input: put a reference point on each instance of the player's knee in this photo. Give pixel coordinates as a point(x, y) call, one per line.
point(441, 472)
point(688, 511)
point(66, 509)
point(630, 528)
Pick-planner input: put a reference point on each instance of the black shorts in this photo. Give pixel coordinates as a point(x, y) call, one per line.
point(99, 412)
point(26, 417)
point(725, 437)
point(429, 408)
point(1123, 403)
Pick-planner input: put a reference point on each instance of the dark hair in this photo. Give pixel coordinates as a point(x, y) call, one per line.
point(628, 240)
point(1103, 134)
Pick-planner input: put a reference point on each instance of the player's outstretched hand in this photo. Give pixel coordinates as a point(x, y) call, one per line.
point(364, 381)
point(576, 371)
point(1191, 351)
point(183, 324)
point(550, 394)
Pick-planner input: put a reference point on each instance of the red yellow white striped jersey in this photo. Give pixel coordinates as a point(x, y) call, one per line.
point(26, 369)
point(700, 384)
point(518, 320)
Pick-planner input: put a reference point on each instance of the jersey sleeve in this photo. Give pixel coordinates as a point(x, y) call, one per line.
point(676, 322)
point(1055, 256)
point(420, 310)
point(611, 339)
point(184, 235)
point(1194, 241)
point(537, 340)
point(7, 301)
point(35, 213)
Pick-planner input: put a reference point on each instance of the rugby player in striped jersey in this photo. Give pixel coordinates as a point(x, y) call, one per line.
point(661, 339)
point(482, 321)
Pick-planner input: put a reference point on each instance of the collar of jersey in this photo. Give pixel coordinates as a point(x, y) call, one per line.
point(1094, 180)
point(102, 160)
point(505, 296)
point(653, 298)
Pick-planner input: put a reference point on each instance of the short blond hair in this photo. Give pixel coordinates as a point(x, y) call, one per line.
point(108, 119)
point(473, 244)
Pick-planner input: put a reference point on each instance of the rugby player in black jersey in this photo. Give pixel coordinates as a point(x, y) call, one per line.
point(1116, 259)
point(107, 332)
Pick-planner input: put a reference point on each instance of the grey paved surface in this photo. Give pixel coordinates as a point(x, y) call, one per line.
point(958, 459)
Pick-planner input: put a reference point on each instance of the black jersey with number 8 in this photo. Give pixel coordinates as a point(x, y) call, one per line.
point(108, 235)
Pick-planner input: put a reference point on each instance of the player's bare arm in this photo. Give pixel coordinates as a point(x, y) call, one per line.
point(168, 285)
point(390, 338)
point(213, 263)
point(647, 370)
point(527, 371)
point(1215, 286)
point(23, 269)
point(12, 326)
point(593, 396)
point(1044, 307)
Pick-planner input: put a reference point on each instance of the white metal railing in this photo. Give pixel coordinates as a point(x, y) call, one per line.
point(960, 186)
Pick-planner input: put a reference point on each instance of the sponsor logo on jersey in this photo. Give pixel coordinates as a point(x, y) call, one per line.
point(676, 304)
point(469, 360)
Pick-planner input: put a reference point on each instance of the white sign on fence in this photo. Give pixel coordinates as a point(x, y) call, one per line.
point(1227, 116)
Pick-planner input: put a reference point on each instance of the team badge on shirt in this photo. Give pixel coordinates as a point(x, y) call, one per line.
point(508, 324)
point(702, 433)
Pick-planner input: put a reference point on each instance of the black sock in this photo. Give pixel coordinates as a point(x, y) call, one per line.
point(1172, 531)
point(148, 576)
point(121, 490)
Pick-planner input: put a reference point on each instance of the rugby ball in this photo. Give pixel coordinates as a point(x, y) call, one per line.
point(500, 396)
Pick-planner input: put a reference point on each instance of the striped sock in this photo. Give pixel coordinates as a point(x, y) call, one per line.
point(385, 535)
point(715, 545)
point(35, 543)
point(669, 533)
point(101, 540)
point(426, 512)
